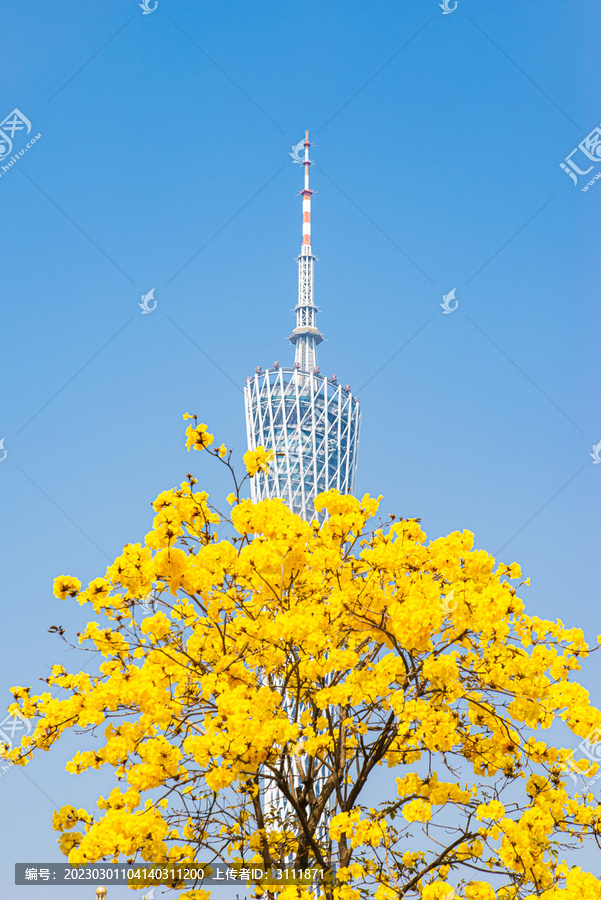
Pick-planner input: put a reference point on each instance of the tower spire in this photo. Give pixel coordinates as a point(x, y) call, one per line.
point(306, 336)
point(310, 422)
point(306, 195)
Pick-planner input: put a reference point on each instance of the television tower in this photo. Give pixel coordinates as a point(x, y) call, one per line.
point(310, 422)
point(312, 425)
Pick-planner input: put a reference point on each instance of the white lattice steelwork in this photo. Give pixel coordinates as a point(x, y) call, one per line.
point(310, 422)
point(312, 425)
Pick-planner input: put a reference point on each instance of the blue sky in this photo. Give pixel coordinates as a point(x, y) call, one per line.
point(163, 163)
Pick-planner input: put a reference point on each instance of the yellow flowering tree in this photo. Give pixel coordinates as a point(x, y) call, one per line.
point(302, 657)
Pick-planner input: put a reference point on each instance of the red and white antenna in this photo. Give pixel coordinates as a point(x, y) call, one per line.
point(306, 336)
point(306, 195)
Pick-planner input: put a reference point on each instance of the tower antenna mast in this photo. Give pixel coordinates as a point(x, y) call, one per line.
point(306, 336)
point(310, 422)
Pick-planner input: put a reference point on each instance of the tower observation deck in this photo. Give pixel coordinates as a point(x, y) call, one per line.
point(310, 422)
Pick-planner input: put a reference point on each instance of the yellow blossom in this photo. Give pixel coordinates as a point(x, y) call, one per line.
point(66, 586)
point(257, 460)
point(198, 437)
point(303, 656)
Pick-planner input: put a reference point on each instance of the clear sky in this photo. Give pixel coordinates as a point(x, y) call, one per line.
point(163, 163)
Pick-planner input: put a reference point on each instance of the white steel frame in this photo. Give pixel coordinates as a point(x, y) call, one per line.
point(312, 424)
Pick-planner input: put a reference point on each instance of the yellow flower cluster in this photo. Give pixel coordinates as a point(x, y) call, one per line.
point(257, 460)
point(198, 437)
point(66, 586)
point(362, 832)
point(295, 647)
